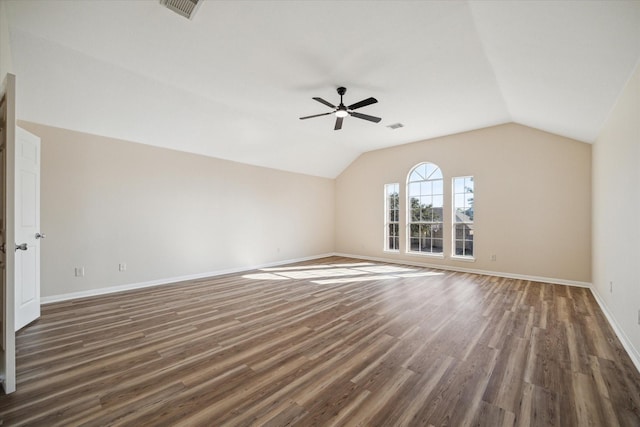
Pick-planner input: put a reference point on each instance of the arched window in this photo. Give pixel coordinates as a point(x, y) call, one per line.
point(425, 199)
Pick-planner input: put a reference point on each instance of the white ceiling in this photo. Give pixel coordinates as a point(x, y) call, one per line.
point(232, 82)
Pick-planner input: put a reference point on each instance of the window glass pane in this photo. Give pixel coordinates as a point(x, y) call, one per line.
point(431, 168)
point(458, 185)
point(414, 189)
point(425, 201)
point(423, 170)
point(464, 240)
point(425, 188)
point(425, 243)
point(468, 183)
point(425, 214)
point(468, 200)
point(468, 248)
point(469, 230)
point(433, 171)
point(463, 215)
point(438, 187)
point(437, 214)
point(458, 201)
point(437, 245)
point(436, 231)
point(438, 201)
point(393, 203)
point(415, 213)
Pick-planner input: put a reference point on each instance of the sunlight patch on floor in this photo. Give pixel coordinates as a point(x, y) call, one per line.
point(340, 273)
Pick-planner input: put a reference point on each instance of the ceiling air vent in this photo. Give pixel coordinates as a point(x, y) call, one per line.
point(186, 8)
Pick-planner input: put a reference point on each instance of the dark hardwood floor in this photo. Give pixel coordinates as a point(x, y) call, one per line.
point(331, 342)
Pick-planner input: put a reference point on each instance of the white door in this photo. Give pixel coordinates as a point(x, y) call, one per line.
point(27, 228)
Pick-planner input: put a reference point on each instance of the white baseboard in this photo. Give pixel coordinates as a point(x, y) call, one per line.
point(170, 280)
point(633, 353)
point(471, 270)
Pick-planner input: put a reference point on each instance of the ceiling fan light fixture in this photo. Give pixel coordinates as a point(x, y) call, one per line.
point(342, 111)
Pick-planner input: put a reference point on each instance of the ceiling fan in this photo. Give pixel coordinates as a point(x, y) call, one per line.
point(342, 111)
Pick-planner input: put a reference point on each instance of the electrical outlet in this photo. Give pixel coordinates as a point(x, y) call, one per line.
point(611, 286)
point(493, 257)
point(79, 272)
point(122, 266)
point(639, 317)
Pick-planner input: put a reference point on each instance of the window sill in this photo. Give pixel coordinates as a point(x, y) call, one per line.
point(426, 255)
point(463, 258)
point(391, 251)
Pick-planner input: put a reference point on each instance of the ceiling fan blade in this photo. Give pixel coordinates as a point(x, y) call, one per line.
point(338, 123)
point(365, 117)
point(362, 103)
point(322, 101)
point(316, 115)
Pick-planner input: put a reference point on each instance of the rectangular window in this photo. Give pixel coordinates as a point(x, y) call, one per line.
point(463, 198)
point(392, 217)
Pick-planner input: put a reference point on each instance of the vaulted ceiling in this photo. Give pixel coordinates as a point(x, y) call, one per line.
point(232, 82)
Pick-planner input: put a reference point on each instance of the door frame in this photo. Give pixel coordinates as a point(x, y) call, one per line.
point(8, 359)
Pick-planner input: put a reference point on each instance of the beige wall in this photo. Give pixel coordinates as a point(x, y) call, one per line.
point(167, 214)
point(616, 206)
point(532, 200)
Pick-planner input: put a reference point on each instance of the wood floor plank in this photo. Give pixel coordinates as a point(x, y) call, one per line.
point(329, 342)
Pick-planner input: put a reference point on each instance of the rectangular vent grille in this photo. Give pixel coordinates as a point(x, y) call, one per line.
point(186, 8)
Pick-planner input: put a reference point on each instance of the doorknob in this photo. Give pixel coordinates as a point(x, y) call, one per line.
point(22, 247)
point(40, 235)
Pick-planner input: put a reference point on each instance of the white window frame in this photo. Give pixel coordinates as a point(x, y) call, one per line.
point(464, 220)
point(409, 220)
point(388, 221)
